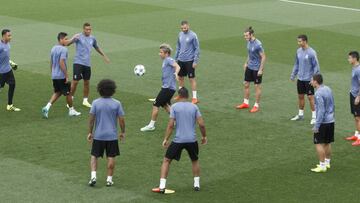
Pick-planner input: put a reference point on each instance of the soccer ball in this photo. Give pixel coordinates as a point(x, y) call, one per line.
point(139, 70)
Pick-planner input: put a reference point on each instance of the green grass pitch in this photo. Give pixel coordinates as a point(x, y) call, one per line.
point(259, 157)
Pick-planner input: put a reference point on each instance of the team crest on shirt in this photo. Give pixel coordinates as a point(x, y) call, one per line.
point(306, 56)
point(187, 39)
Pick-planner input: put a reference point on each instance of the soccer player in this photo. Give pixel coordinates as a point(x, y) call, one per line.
point(82, 69)
point(59, 75)
point(253, 68)
point(104, 114)
point(353, 59)
point(324, 124)
point(6, 73)
point(306, 65)
point(186, 115)
point(187, 56)
point(170, 71)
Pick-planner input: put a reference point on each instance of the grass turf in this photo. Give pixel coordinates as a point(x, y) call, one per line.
point(249, 158)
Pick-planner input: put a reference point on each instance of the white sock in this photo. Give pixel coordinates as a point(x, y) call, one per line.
point(196, 181)
point(327, 161)
point(48, 105)
point(313, 113)
point(72, 97)
point(357, 134)
point(152, 123)
point(246, 101)
point(85, 99)
point(256, 105)
point(180, 87)
point(109, 178)
point(301, 112)
point(322, 165)
point(162, 183)
point(194, 94)
point(93, 174)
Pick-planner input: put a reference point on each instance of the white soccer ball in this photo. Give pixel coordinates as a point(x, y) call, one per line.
point(139, 70)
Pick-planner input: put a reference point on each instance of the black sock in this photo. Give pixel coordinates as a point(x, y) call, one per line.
point(11, 93)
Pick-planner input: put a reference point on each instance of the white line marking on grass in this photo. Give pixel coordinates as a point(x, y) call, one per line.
point(321, 5)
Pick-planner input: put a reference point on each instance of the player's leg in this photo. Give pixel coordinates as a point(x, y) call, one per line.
point(77, 76)
point(357, 125)
point(193, 152)
point(93, 167)
point(191, 75)
point(320, 139)
point(74, 85)
point(162, 100)
point(154, 115)
point(257, 98)
point(301, 90)
point(97, 150)
point(312, 107)
point(327, 154)
point(86, 73)
point(182, 73)
point(172, 152)
point(356, 135)
point(247, 79)
point(10, 80)
point(112, 150)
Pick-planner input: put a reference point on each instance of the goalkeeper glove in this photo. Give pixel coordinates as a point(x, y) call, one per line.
point(13, 65)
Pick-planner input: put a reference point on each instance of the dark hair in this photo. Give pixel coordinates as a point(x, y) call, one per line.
point(354, 54)
point(86, 25)
point(106, 88)
point(318, 78)
point(4, 31)
point(61, 35)
point(303, 37)
point(184, 22)
point(250, 30)
point(183, 93)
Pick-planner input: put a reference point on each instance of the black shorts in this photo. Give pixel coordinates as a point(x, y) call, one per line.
point(81, 72)
point(7, 78)
point(252, 76)
point(355, 109)
point(186, 69)
point(175, 149)
point(304, 87)
point(325, 134)
point(164, 97)
point(111, 148)
point(62, 87)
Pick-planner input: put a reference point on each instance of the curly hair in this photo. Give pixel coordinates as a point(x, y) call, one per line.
point(106, 88)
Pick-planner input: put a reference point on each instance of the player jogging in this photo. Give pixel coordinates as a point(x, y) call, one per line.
point(187, 56)
point(170, 70)
point(82, 69)
point(306, 65)
point(186, 115)
point(6, 66)
point(353, 59)
point(59, 75)
point(104, 115)
point(324, 124)
point(254, 69)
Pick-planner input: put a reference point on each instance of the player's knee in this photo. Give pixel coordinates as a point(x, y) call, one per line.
point(166, 160)
point(247, 84)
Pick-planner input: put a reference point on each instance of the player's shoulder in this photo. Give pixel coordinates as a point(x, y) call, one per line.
point(311, 51)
